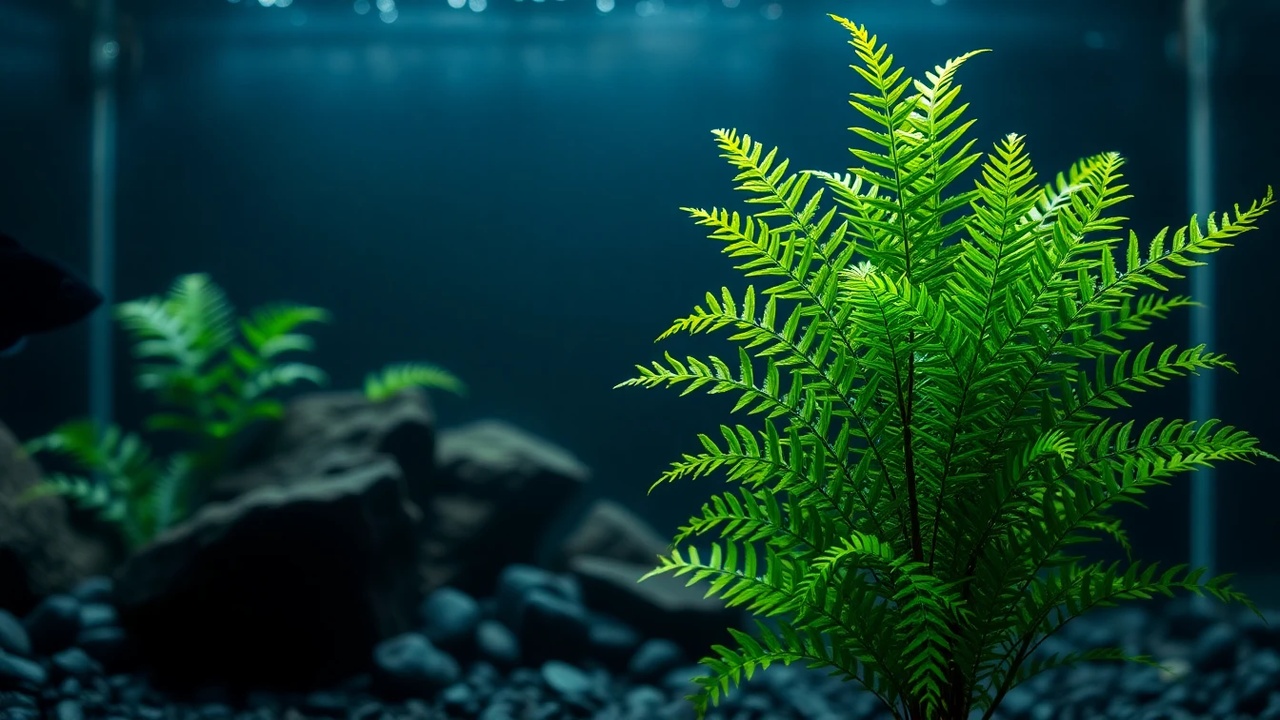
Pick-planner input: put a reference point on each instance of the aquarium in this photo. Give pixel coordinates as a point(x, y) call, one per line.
point(631, 359)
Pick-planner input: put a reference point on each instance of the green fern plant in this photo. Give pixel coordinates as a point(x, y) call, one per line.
point(136, 492)
point(930, 365)
point(211, 383)
point(396, 378)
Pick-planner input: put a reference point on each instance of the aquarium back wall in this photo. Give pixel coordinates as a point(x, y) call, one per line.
point(44, 152)
point(498, 191)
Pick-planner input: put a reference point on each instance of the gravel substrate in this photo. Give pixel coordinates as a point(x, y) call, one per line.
point(500, 659)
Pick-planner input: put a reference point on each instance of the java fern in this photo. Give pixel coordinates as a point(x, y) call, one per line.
point(929, 366)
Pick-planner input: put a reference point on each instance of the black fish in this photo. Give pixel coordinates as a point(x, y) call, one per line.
point(37, 295)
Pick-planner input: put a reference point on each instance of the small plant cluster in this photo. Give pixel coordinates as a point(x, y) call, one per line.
point(212, 376)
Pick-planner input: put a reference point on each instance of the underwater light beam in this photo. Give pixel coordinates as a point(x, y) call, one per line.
point(1200, 172)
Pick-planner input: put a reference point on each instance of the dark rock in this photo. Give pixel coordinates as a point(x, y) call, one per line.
point(483, 676)
point(1187, 618)
point(41, 550)
point(402, 428)
point(642, 702)
point(93, 615)
point(612, 641)
point(497, 643)
point(1272, 711)
point(1259, 677)
point(460, 699)
point(1261, 632)
point(498, 711)
point(215, 711)
point(654, 659)
point(498, 489)
point(1142, 684)
point(107, 644)
point(310, 576)
point(611, 531)
point(410, 666)
point(680, 681)
point(678, 710)
point(518, 580)
point(449, 617)
point(1216, 649)
point(17, 673)
point(68, 710)
point(326, 703)
point(13, 636)
point(95, 589)
point(371, 710)
point(1222, 705)
point(53, 625)
point(75, 663)
point(10, 700)
point(552, 627)
point(565, 680)
point(661, 606)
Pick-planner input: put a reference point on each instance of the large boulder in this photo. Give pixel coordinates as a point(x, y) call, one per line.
point(286, 585)
point(662, 606)
point(608, 552)
point(612, 531)
point(41, 550)
point(402, 427)
point(496, 490)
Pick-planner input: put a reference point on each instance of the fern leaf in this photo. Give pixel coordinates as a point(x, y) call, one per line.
point(397, 378)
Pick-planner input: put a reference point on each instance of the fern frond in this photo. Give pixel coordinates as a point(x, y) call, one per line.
point(394, 379)
point(269, 330)
point(928, 366)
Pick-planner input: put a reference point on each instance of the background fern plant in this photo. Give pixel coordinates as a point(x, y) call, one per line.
point(930, 364)
point(213, 375)
point(211, 383)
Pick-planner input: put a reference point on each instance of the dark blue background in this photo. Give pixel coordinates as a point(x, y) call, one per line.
point(499, 192)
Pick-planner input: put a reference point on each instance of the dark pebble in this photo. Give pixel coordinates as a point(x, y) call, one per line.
point(76, 663)
point(498, 711)
point(460, 699)
point(517, 581)
point(1142, 683)
point(497, 643)
point(108, 644)
point(1262, 632)
point(1261, 678)
point(612, 641)
point(565, 679)
point(1186, 619)
point(410, 666)
point(326, 703)
point(68, 710)
point(13, 636)
point(96, 589)
point(654, 659)
point(54, 623)
point(94, 615)
point(449, 617)
point(642, 701)
point(1216, 649)
point(18, 673)
point(551, 626)
point(680, 680)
